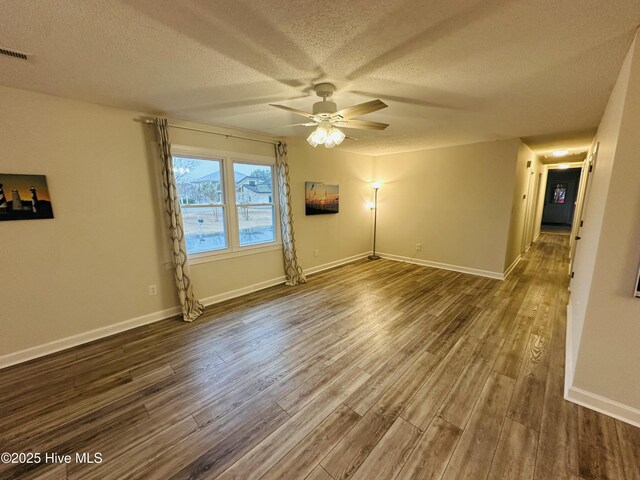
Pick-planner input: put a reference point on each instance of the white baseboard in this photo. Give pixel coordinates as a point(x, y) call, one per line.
point(221, 297)
point(587, 399)
point(336, 263)
point(86, 337)
point(444, 266)
point(568, 352)
point(604, 405)
point(535, 239)
point(102, 332)
point(512, 266)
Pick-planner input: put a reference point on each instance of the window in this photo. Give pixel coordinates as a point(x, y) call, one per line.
point(201, 192)
point(227, 204)
point(254, 203)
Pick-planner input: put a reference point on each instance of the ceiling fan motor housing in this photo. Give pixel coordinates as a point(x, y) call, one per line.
point(324, 108)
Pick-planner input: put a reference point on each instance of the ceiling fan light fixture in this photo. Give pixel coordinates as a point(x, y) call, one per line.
point(336, 135)
point(311, 139)
point(329, 142)
point(318, 136)
point(326, 134)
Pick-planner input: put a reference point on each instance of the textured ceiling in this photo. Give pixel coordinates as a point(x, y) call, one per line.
point(451, 71)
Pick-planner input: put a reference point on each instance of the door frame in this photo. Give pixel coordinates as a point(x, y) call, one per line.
point(588, 169)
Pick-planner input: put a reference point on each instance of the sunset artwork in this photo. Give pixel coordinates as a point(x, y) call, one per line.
point(321, 198)
point(24, 197)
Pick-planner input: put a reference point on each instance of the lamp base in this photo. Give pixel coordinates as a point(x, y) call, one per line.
point(374, 257)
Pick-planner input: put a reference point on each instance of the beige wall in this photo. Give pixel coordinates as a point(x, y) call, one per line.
point(523, 207)
point(90, 266)
point(542, 186)
point(455, 201)
point(593, 215)
point(607, 258)
point(338, 236)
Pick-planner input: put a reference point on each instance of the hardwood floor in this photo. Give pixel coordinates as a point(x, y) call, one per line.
point(373, 370)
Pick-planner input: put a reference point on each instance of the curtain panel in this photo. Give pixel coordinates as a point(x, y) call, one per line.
point(293, 272)
point(191, 307)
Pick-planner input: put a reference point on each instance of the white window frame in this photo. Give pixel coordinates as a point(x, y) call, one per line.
point(228, 159)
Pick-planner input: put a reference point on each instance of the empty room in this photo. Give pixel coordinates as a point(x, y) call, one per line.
point(320, 240)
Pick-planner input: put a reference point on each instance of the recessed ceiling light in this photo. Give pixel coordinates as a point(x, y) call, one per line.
point(560, 153)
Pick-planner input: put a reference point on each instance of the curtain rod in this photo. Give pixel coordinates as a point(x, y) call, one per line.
point(228, 135)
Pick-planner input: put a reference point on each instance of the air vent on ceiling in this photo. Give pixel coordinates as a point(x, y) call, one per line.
point(14, 53)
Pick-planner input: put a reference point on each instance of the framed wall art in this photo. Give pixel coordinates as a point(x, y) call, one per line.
point(321, 198)
point(24, 197)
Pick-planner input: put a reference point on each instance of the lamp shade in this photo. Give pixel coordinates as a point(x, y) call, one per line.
point(325, 134)
point(311, 139)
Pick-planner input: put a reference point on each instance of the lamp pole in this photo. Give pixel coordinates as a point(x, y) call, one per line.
point(376, 186)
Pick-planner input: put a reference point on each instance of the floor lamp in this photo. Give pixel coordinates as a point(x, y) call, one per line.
point(376, 187)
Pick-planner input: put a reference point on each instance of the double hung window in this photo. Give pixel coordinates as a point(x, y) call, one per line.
point(227, 202)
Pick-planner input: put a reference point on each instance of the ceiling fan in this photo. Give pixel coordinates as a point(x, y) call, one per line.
point(326, 117)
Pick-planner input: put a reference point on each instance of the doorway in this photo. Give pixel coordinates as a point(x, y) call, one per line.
point(560, 199)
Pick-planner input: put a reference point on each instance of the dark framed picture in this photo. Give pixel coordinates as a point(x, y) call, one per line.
point(321, 198)
point(24, 197)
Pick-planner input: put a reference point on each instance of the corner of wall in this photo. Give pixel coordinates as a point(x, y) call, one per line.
point(601, 354)
point(517, 219)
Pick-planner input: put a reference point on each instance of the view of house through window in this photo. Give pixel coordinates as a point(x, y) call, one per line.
point(254, 200)
point(211, 220)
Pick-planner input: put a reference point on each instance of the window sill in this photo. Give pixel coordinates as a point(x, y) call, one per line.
point(225, 255)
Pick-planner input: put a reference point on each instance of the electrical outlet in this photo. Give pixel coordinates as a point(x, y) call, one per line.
point(418, 246)
point(316, 252)
point(153, 289)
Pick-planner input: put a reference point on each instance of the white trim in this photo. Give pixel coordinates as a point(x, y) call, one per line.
point(336, 263)
point(568, 352)
point(445, 266)
point(535, 239)
point(228, 160)
point(220, 154)
point(86, 337)
point(604, 405)
point(587, 399)
point(221, 297)
point(92, 335)
point(514, 264)
point(217, 255)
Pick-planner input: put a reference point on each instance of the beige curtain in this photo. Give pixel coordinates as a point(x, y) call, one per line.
point(191, 308)
point(293, 272)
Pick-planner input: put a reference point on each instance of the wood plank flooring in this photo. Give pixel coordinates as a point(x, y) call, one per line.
point(374, 370)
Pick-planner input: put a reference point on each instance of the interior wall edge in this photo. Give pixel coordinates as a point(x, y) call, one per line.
point(58, 345)
point(515, 263)
point(603, 405)
point(335, 263)
point(238, 292)
point(444, 266)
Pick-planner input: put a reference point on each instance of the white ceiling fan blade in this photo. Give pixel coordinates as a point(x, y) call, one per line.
point(362, 124)
point(308, 124)
point(293, 110)
point(360, 109)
